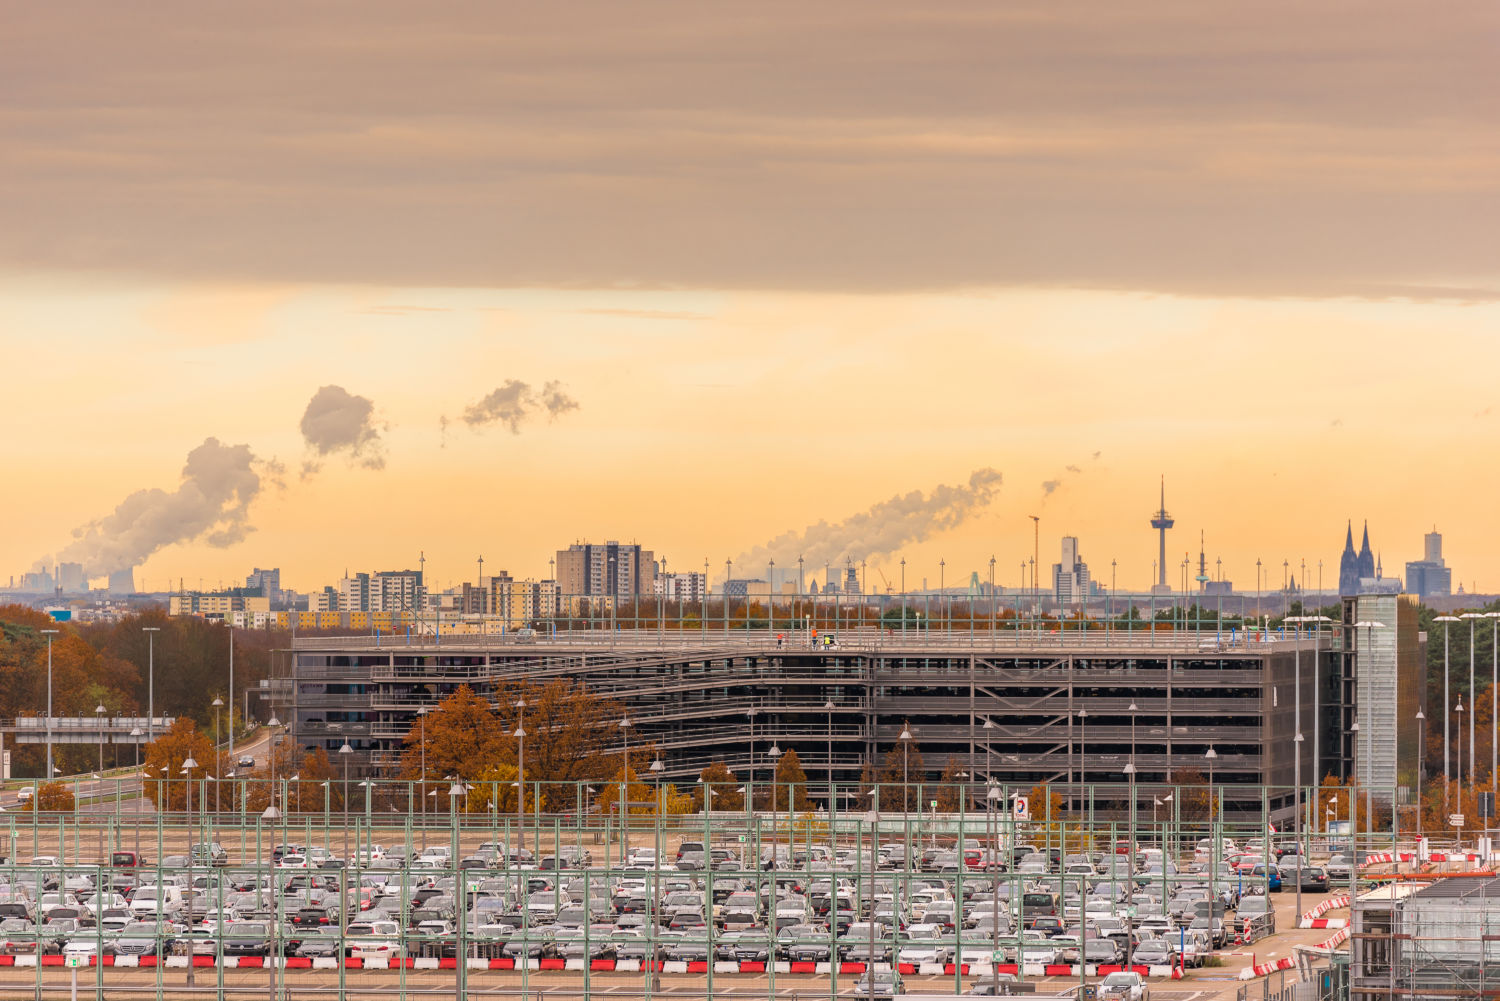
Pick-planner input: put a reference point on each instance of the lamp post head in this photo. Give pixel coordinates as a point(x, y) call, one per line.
point(100, 710)
point(775, 751)
point(1083, 714)
point(905, 734)
point(1421, 715)
point(273, 722)
point(625, 723)
point(520, 703)
point(1133, 707)
point(137, 732)
point(189, 763)
point(216, 703)
point(1440, 618)
point(346, 749)
point(829, 705)
point(657, 767)
point(520, 733)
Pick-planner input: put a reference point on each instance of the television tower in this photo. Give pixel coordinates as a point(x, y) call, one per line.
point(1161, 521)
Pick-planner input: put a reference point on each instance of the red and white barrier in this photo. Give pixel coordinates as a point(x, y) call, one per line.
point(1264, 969)
point(1288, 962)
point(1037, 970)
point(1314, 918)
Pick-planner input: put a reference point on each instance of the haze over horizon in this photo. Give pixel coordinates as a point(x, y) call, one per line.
point(700, 277)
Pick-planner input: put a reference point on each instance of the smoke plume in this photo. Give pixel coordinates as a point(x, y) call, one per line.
point(211, 505)
point(336, 421)
point(516, 402)
point(883, 529)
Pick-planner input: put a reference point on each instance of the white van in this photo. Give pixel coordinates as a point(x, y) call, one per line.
point(156, 901)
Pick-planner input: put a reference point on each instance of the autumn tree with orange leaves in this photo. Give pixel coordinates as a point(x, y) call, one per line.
point(570, 738)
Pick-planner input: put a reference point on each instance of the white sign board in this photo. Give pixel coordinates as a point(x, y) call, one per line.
point(1020, 808)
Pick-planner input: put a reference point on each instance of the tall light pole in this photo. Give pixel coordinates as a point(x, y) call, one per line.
point(775, 753)
point(1421, 755)
point(1446, 620)
point(1213, 805)
point(150, 632)
point(187, 769)
point(829, 707)
point(623, 804)
point(1494, 618)
point(905, 775)
point(1083, 750)
point(346, 752)
point(99, 712)
point(1459, 786)
point(135, 738)
point(1130, 773)
point(217, 704)
point(49, 634)
point(422, 778)
point(1471, 616)
point(520, 736)
point(750, 779)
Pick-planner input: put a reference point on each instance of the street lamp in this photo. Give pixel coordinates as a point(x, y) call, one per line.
point(150, 632)
point(775, 753)
point(520, 736)
point(346, 752)
point(1471, 616)
point(99, 712)
point(994, 796)
point(1421, 755)
point(1297, 811)
point(905, 776)
point(1083, 750)
point(135, 739)
point(1459, 786)
point(187, 769)
point(217, 704)
point(49, 633)
point(1446, 620)
point(1494, 618)
point(622, 805)
point(828, 707)
point(422, 778)
point(1130, 771)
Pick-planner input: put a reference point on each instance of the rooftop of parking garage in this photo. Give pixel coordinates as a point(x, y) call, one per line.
point(860, 641)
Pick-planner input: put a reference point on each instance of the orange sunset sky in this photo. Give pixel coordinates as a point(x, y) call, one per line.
point(757, 266)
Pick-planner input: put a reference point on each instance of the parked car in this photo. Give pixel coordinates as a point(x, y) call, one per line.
point(1312, 878)
point(1125, 985)
point(885, 985)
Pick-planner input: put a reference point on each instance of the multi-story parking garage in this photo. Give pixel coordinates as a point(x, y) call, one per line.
point(1070, 710)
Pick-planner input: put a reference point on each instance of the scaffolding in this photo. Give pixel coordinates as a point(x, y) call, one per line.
point(1439, 940)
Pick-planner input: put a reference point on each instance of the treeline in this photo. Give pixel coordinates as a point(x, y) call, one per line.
point(107, 664)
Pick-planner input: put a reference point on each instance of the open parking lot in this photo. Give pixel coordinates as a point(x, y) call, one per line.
point(310, 906)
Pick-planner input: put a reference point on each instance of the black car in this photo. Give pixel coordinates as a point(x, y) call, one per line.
point(1312, 878)
point(310, 917)
point(248, 938)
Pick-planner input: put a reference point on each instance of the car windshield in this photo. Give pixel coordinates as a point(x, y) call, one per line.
point(1120, 980)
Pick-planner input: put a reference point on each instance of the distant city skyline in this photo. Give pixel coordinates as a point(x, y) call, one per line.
point(1274, 574)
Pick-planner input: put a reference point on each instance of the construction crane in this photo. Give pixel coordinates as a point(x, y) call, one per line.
point(888, 587)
